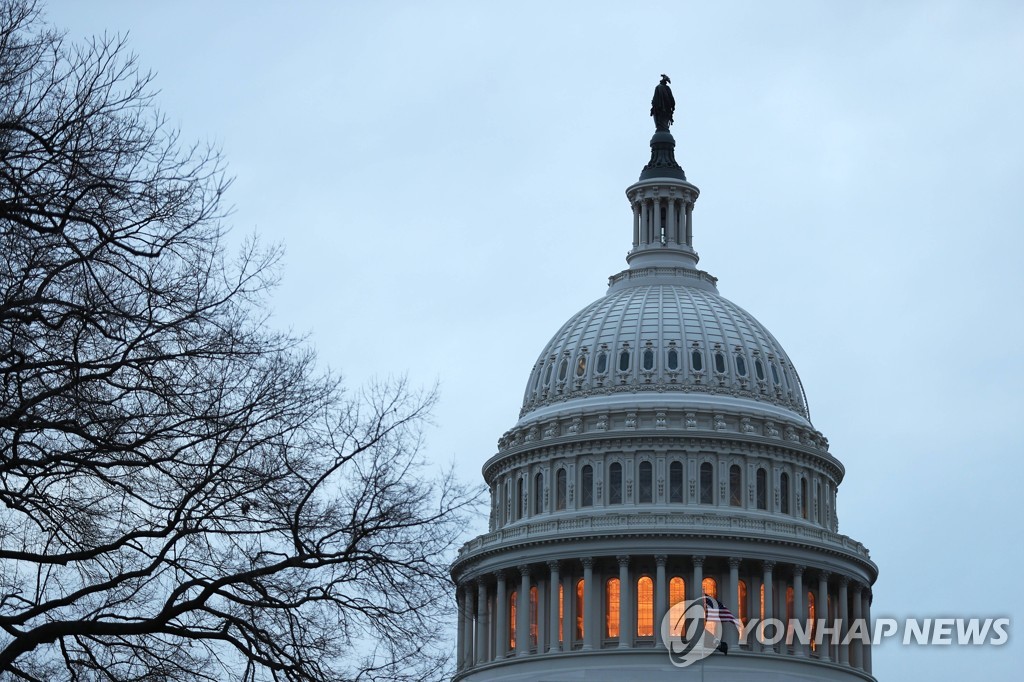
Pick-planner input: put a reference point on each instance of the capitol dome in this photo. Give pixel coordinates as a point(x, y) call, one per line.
point(663, 456)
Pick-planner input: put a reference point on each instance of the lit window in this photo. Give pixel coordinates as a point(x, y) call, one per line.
point(561, 612)
point(675, 482)
point(587, 486)
point(811, 618)
point(676, 590)
point(744, 612)
point(533, 616)
point(762, 489)
point(646, 488)
point(611, 608)
point(560, 489)
point(581, 366)
point(645, 607)
point(707, 486)
point(710, 587)
point(579, 609)
point(615, 483)
point(735, 486)
point(513, 604)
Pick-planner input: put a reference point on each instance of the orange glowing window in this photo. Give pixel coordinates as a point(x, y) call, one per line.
point(676, 590)
point(810, 616)
point(513, 602)
point(533, 616)
point(579, 609)
point(743, 611)
point(561, 612)
point(611, 608)
point(645, 607)
point(710, 587)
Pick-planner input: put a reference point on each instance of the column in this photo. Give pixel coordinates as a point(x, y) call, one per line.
point(625, 607)
point(659, 226)
point(660, 596)
point(501, 617)
point(734, 585)
point(555, 582)
point(460, 648)
point(866, 610)
point(697, 590)
point(799, 608)
point(766, 580)
point(672, 226)
point(689, 223)
point(589, 604)
point(823, 615)
point(645, 228)
point(636, 224)
point(844, 650)
point(481, 621)
point(523, 613)
point(856, 647)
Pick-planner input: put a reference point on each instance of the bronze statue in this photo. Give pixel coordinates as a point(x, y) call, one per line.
point(663, 105)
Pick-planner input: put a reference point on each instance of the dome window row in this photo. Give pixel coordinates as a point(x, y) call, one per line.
point(547, 381)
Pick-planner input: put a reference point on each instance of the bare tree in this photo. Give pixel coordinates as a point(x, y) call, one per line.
point(184, 495)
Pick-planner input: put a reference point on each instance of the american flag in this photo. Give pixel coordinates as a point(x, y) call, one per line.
point(715, 610)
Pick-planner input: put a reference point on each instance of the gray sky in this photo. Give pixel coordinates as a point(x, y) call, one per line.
point(448, 181)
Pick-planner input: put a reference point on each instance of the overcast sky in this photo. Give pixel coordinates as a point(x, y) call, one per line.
point(448, 181)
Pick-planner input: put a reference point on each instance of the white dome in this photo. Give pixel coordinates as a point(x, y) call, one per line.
point(670, 334)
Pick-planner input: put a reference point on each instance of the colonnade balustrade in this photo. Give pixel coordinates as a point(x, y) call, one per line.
point(619, 602)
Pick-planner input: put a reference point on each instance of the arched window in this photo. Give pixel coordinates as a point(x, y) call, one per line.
point(719, 362)
point(709, 586)
point(676, 595)
point(707, 484)
point(615, 483)
point(519, 498)
point(645, 607)
point(533, 617)
point(675, 482)
point(513, 604)
point(784, 492)
point(804, 509)
point(762, 489)
point(735, 486)
point(560, 489)
point(579, 610)
point(646, 487)
point(587, 486)
point(508, 500)
point(611, 608)
point(819, 514)
point(538, 493)
point(581, 366)
point(741, 365)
